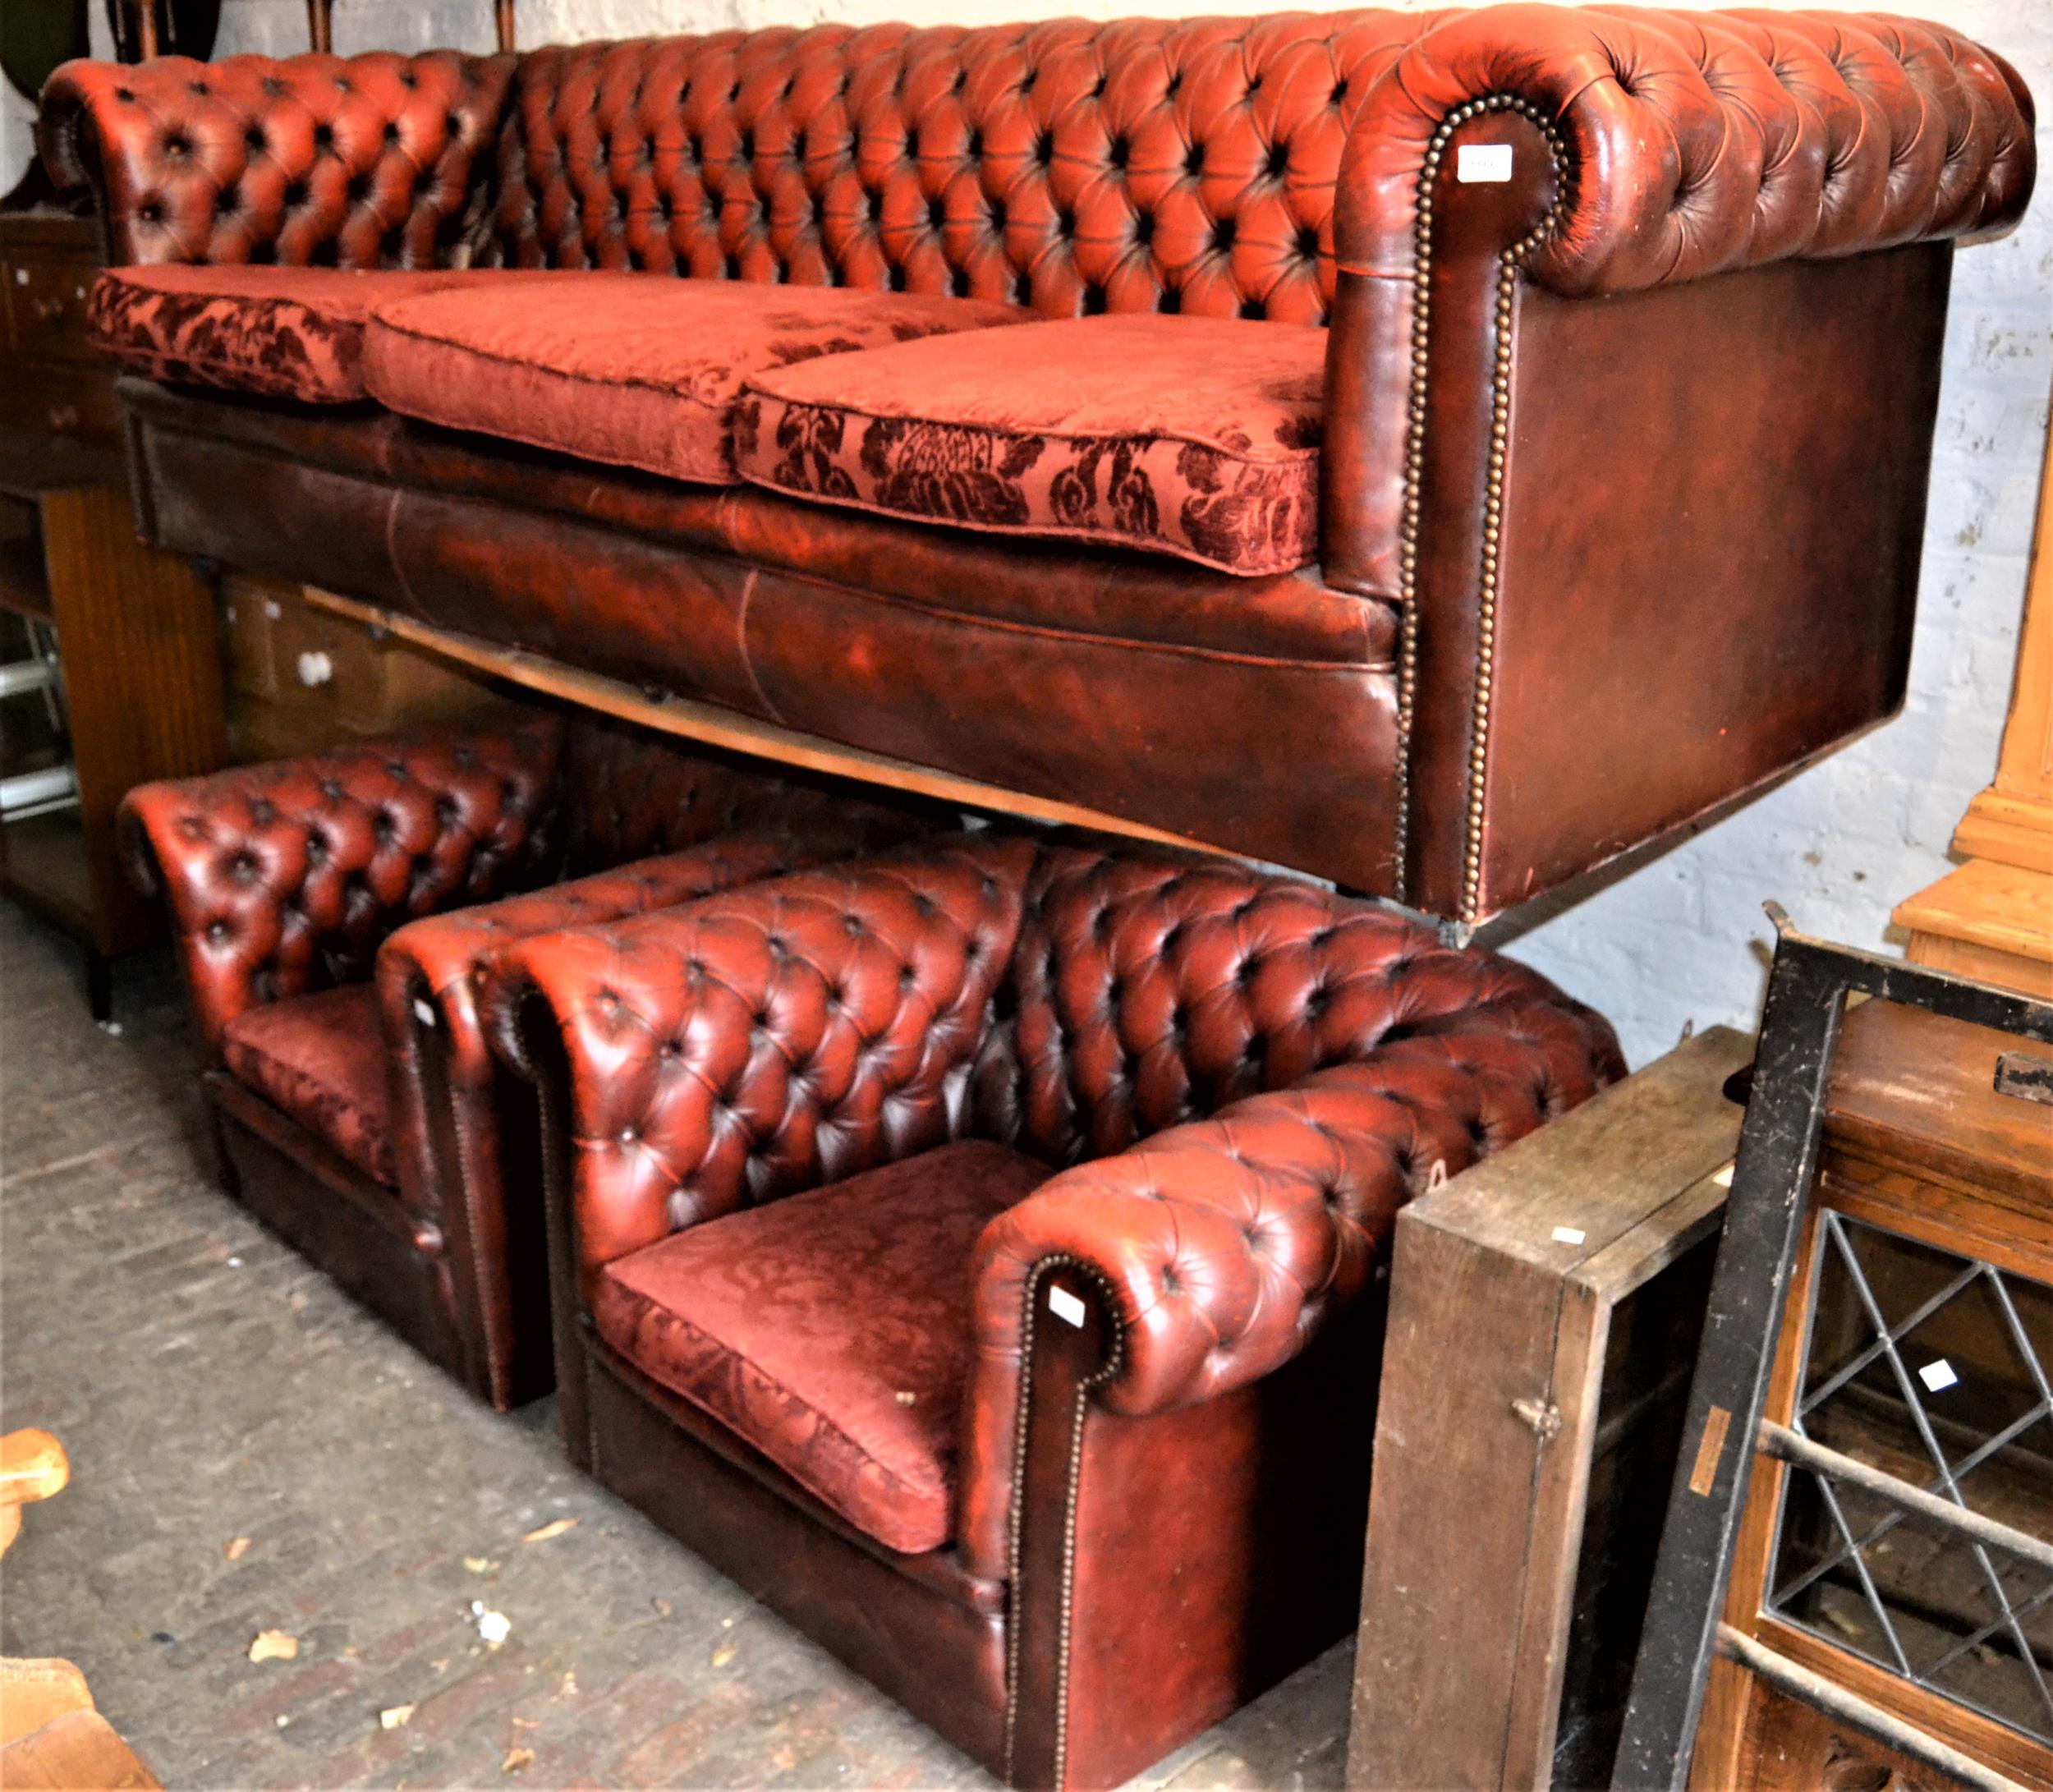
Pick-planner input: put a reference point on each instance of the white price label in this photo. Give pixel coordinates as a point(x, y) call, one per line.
point(1065, 1306)
point(1475, 161)
point(1938, 1377)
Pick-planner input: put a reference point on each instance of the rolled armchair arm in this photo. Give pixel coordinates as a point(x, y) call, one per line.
point(1222, 1247)
point(765, 1040)
point(366, 161)
point(280, 876)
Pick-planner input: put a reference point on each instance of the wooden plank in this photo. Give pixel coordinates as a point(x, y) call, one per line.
point(735, 732)
point(142, 674)
point(2004, 907)
point(76, 1752)
point(1502, 1287)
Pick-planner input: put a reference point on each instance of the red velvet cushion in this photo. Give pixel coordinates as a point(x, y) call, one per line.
point(321, 1059)
point(1192, 436)
point(636, 369)
point(804, 1324)
point(287, 332)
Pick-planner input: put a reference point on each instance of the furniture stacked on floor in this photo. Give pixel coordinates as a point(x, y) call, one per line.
point(1453, 599)
point(976, 1252)
point(335, 915)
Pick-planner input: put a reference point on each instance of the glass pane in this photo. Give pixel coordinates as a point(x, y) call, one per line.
point(1931, 1368)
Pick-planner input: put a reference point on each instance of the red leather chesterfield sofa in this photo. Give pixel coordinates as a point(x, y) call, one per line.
point(365, 1118)
point(1439, 451)
point(974, 1251)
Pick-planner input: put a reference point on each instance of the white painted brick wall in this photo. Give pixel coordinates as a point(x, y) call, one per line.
point(1681, 938)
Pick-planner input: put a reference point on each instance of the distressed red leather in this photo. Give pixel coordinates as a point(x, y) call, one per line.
point(283, 878)
point(283, 333)
point(1247, 1074)
point(368, 161)
point(1070, 1002)
point(1197, 437)
point(617, 368)
point(318, 1058)
point(831, 1331)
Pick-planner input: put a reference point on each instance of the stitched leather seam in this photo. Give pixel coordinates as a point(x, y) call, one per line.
point(1159, 547)
point(1123, 643)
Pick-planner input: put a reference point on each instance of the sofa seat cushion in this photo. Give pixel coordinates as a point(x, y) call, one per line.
point(284, 333)
point(634, 369)
point(321, 1059)
point(1197, 437)
point(830, 1330)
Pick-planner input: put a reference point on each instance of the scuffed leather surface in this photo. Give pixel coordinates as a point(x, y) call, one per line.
point(830, 1330)
point(1296, 1063)
point(282, 332)
point(318, 1058)
point(369, 161)
point(1197, 437)
point(623, 370)
point(287, 878)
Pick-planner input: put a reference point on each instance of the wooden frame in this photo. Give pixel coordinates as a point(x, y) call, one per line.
point(1544, 1309)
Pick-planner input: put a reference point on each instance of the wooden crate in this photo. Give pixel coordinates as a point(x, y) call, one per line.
point(1544, 1316)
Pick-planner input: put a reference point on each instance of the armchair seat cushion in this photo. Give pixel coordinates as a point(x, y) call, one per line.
point(321, 1059)
point(1196, 437)
point(282, 332)
point(831, 1329)
point(634, 369)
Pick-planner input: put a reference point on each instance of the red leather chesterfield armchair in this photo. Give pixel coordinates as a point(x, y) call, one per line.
point(1289, 432)
point(363, 1118)
point(975, 1251)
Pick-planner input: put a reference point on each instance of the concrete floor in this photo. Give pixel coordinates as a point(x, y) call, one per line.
point(250, 1452)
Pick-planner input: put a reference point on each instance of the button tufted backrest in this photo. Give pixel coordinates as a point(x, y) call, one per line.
point(316, 161)
point(1072, 166)
point(1148, 990)
point(286, 878)
point(771, 1038)
point(628, 793)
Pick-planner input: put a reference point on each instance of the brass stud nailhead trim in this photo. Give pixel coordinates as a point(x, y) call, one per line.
point(1414, 475)
point(1115, 1359)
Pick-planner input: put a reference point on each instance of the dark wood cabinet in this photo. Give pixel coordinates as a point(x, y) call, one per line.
point(135, 629)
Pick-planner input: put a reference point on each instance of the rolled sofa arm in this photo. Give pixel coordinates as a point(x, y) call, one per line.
point(765, 1040)
point(1222, 1247)
point(1696, 142)
point(372, 161)
point(1651, 148)
point(280, 877)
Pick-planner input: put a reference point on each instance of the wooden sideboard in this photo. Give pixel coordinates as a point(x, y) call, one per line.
point(136, 630)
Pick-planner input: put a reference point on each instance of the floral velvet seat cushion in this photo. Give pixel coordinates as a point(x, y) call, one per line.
point(282, 332)
point(634, 369)
point(830, 1329)
point(1197, 437)
point(320, 1059)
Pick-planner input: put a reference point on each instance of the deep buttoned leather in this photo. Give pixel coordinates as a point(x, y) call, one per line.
point(281, 878)
point(1070, 165)
point(1254, 1073)
point(373, 161)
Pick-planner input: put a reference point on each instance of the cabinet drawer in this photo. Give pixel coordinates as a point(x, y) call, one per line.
point(46, 305)
point(69, 401)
